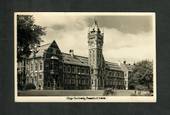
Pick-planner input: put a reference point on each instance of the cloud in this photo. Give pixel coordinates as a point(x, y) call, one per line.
point(69, 39)
point(126, 24)
point(124, 38)
point(61, 21)
point(124, 45)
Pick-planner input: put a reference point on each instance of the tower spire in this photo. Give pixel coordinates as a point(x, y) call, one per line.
point(95, 22)
point(95, 25)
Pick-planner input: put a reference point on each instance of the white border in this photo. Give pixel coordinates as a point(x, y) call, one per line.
point(141, 99)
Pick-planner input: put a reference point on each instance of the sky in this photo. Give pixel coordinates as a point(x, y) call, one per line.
point(127, 37)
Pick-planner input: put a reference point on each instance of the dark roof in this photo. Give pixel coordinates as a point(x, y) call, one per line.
point(83, 61)
point(113, 66)
point(75, 59)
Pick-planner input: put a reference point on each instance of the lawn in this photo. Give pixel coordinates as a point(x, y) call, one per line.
point(74, 93)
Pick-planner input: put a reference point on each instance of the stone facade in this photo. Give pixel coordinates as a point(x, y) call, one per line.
point(49, 68)
point(127, 69)
point(96, 60)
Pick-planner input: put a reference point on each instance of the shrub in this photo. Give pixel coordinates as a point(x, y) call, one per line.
point(30, 86)
point(20, 87)
point(108, 91)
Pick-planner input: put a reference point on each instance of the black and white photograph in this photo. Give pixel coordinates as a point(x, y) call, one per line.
point(85, 57)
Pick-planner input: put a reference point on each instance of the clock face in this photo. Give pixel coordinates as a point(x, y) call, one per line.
point(93, 43)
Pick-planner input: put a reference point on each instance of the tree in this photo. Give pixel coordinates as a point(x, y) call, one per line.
point(30, 86)
point(28, 34)
point(142, 76)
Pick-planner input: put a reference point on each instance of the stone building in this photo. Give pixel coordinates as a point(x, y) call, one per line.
point(127, 69)
point(49, 68)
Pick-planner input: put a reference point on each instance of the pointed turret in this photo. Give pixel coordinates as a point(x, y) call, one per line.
point(95, 26)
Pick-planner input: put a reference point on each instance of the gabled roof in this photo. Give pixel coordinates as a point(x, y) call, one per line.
point(40, 50)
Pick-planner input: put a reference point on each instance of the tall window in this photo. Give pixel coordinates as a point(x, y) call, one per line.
point(110, 73)
point(65, 80)
point(69, 81)
point(91, 71)
point(68, 69)
point(115, 74)
point(82, 70)
point(55, 66)
point(40, 76)
point(106, 82)
point(83, 81)
point(47, 65)
point(118, 74)
point(40, 65)
point(93, 57)
point(73, 70)
point(36, 66)
point(51, 65)
point(79, 81)
point(87, 71)
point(86, 81)
point(31, 66)
point(27, 66)
point(78, 70)
point(72, 81)
point(64, 68)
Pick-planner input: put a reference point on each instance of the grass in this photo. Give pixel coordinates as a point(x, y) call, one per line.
point(75, 93)
point(61, 93)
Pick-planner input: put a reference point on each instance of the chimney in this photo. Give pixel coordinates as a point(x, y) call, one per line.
point(71, 52)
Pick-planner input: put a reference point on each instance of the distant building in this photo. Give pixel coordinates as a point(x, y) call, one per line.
point(49, 68)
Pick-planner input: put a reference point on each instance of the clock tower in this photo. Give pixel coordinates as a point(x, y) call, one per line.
point(95, 59)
